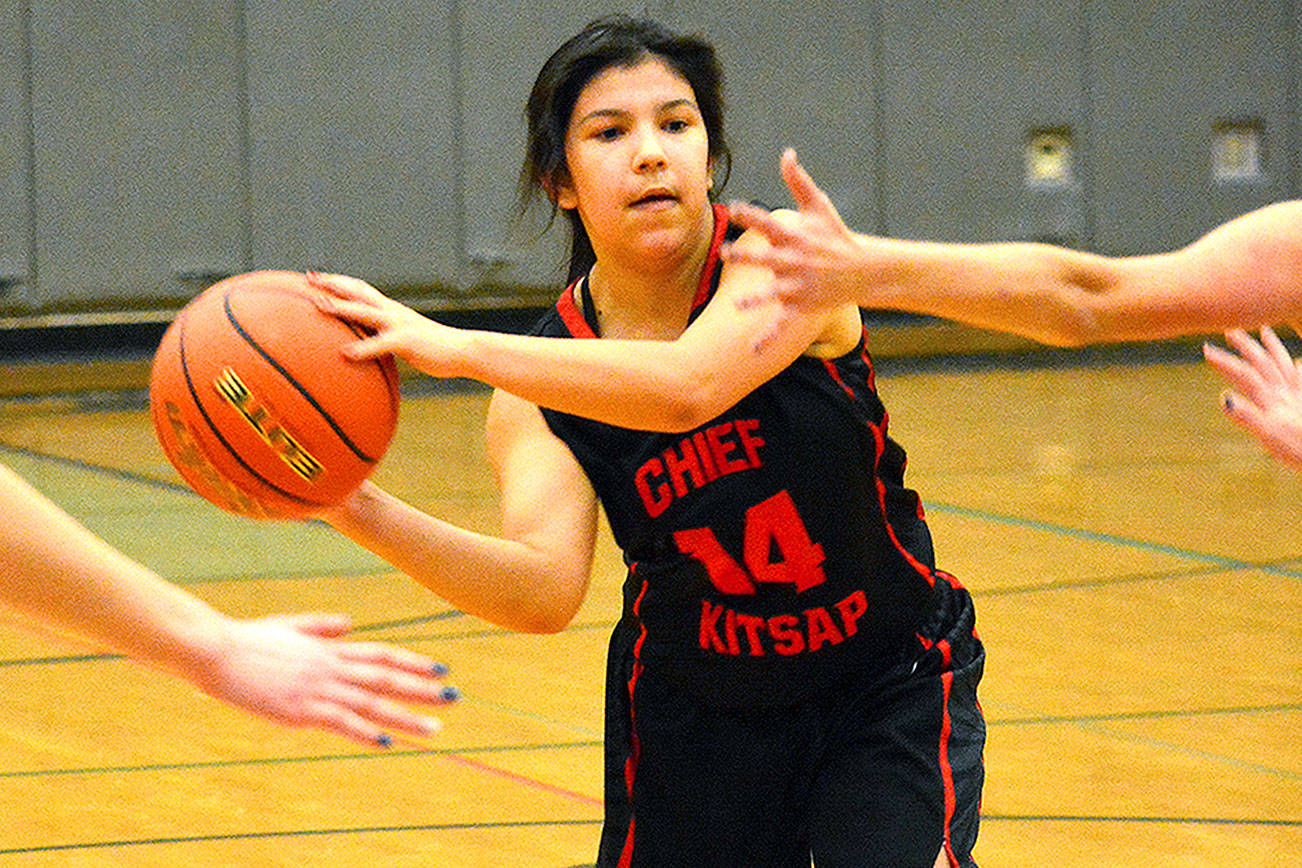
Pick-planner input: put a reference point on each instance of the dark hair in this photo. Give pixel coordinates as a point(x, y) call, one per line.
point(607, 42)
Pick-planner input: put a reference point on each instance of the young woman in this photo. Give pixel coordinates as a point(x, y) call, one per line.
point(791, 675)
point(287, 669)
point(1240, 275)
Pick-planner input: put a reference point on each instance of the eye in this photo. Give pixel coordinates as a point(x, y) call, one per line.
point(676, 125)
point(607, 134)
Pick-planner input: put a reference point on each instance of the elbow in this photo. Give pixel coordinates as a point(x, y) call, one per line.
point(544, 624)
point(690, 403)
point(1072, 321)
point(553, 610)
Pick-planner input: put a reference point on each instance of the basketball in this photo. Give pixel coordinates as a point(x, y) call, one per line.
point(257, 408)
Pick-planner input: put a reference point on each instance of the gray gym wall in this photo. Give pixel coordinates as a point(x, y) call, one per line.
point(149, 147)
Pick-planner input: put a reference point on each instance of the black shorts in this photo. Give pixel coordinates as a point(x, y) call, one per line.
point(885, 773)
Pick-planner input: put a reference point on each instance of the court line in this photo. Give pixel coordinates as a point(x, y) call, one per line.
point(318, 758)
point(937, 506)
point(1114, 717)
point(1178, 821)
point(446, 615)
point(595, 821)
point(300, 833)
point(523, 779)
point(1221, 561)
point(117, 473)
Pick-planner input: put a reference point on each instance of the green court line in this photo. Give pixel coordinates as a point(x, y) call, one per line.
point(1175, 821)
point(595, 821)
point(1032, 720)
point(1149, 741)
point(316, 758)
point(1220, 561)
point(301, 833)
point(117, 473)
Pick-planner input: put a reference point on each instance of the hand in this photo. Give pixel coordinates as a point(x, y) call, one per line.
point(430, 347)
point(812, 255)
point(292, 670)
point(1267, 395)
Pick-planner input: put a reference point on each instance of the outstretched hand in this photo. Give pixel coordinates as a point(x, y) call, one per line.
point(293, 670)
point(430, 347)
point(815, 259)
point(1266, 398)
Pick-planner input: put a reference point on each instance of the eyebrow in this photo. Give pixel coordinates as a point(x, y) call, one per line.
point(614, 113)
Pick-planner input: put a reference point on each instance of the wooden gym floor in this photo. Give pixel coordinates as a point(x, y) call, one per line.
point(1137, 566)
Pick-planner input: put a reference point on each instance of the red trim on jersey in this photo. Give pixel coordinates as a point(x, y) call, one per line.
point(635, 749)
point(571, 312)
point(879, 447)
point(706, 284)
point(572, 315)
point(946, 770)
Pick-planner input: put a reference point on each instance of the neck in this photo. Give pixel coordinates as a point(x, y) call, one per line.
point(648, 297)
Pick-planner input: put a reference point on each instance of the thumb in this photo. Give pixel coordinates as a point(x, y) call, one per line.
point(323, 625)
point(369, 348)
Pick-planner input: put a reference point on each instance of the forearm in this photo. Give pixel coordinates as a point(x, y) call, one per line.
point(642, 384)
point(1244, 273)
point(511, 583)
point(1052, 295)
point(60, 574)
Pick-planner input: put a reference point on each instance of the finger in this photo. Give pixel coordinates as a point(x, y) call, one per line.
point(749, 216)
point(379, 709)
point(343, 286)
point(362, 313)
point(348, 720)
point(1239, 373)
point(392, 656)
point(1252, 419)
point(1254, 354)
point(1279, 353)
point(808, 196)
point(393, 684)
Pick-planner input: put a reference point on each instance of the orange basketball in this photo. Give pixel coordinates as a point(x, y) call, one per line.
point(257, 408)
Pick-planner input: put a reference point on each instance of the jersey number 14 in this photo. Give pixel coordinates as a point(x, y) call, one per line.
point(776, 550)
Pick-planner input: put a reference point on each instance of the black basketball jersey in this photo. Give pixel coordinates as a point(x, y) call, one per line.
point(774, 546)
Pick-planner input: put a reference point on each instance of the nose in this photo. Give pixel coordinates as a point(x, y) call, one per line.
point(650, 153)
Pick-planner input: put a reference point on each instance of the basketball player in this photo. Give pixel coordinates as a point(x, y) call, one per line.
point(285, 669)
point(1241, 274)
point(791, 676)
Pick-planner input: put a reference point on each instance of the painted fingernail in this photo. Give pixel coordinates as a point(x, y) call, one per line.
point(439, 669)
point(1227, 402)
point(384, 740)
point(449, 694)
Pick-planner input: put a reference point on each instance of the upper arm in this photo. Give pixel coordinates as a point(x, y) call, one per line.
point(1245, 273)
point(547, 502)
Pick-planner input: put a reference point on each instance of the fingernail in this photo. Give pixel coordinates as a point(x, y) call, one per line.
point(384, 740)
point(1227, 402)
point(439, 670)
point(449, 694)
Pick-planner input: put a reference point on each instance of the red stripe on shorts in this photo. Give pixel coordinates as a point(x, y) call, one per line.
point(635, 749)
point(946, 770)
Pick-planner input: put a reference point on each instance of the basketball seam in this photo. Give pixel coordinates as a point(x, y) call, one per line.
point(194, 395)
point(389, 378)
point(289, 378)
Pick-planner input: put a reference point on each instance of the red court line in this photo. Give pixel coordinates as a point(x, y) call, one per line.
point(523, 779)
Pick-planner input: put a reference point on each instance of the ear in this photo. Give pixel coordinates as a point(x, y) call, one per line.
point(562, 193)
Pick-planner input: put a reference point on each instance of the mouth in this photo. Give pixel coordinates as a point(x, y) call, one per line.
point(654, 198)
